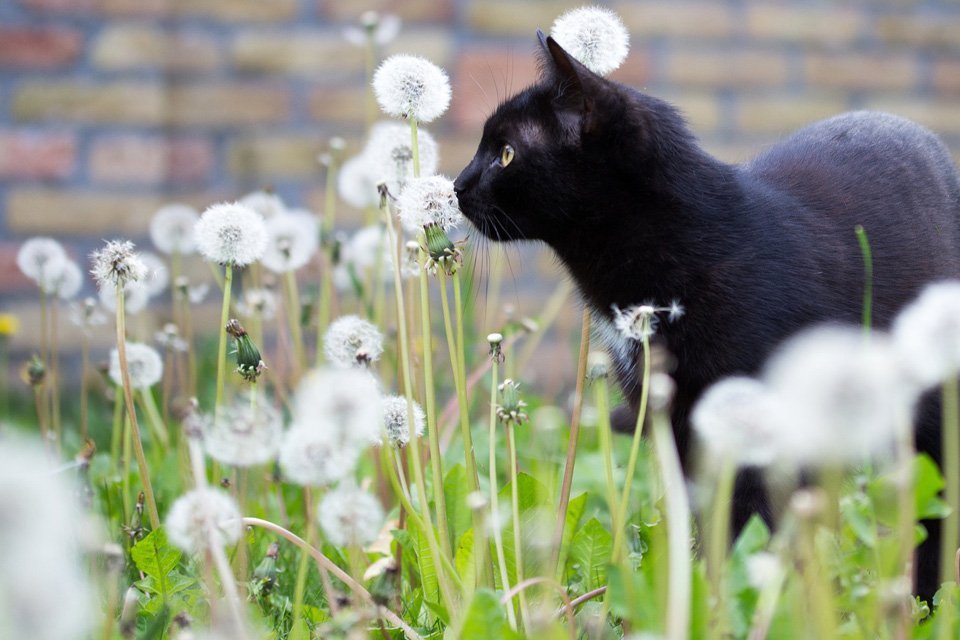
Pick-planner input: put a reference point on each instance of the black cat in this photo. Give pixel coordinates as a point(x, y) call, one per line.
point(614, 181)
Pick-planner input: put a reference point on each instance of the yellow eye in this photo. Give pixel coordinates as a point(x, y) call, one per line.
point(506, 155)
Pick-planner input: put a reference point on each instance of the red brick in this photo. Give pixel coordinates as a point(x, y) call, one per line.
point(137, 159)
point(128, 46)
point(38, 48)
point(850, 71)
point(225, 10)
point(28, 155)
point(409, 10)
point(11, 278)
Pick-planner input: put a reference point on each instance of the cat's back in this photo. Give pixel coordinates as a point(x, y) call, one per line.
point(870, 168)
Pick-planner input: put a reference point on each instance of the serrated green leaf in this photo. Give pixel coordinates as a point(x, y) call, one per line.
point(590, 553)
point(425, 565)
point(463, 557)
point(575, 508)
point(455, 491)
point(156, 558)
point(532, 498)
point(486, 619)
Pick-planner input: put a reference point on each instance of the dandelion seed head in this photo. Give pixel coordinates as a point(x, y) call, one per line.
point(389, 152)
point(396, 420)
point(144, 363)
point(169, 339)
point(231, 233)
point(349, 399)
point(429, 201)
point(66, 279)
point(258, 303)
point(594, 36)
point(117, 263)
point(158, 276)
point(350, 516)
point(203, 518)
point(638, 322)
point(840, 396)
point(357, 182)
point(38, 259)
point(45, 591)
point(264, 203)
point(313, 455)
point(172, 229)
point(351, 341)
point(292, 240)
point(365, 250)
point(87, 314)
point(381, 28)
point(410, 86)
point(927, 334)
point(244, 435)
point(735, 420)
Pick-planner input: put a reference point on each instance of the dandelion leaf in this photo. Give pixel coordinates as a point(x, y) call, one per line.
point(590, 553)
point(455, 492)
point(486, 619)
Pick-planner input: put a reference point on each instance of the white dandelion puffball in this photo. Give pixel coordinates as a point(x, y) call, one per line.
point(244, 435)
point(411, 87)
point(117, 263)
point(158, 276)
point(365, 250)
point(349, 516)
point(203, 518)
point(38, 259)
point(231, 233)
point(390, 154)
point(258, 303)
point(45, 591)
point(734, 419)
point(396, 420)
point(66, 279)
point(927, 334)
point(171, 229)
point(144, 363)
point(594, 36)
point(357, 184)
point(351, 341)
point(292, 240)
point(382, 29)
point(312, 454)
point(840, 397)
point(265, 203)
point(349, 399)
point(427, 201)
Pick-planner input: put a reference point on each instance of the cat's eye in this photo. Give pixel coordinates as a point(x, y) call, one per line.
point(506, 155)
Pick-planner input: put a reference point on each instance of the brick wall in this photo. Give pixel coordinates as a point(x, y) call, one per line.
point(109, 108)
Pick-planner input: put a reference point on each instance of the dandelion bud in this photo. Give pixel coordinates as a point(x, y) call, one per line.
point(249, 363)
point(510, 411)
point(598, 365)
point(496, 353)
point(265, 575)
point(34, 371)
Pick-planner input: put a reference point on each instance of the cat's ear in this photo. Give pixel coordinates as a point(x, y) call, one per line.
point(577, 86)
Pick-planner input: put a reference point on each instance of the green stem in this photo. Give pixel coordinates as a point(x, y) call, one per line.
point(718, 539)
point(116, 439)
point(951, 475)
point(155, 421)
point(327, 242)
point(678, 529)
point(54, 376)
point(132, 413)
point(494, 498)
point(301, 584)
point(515, 512)
point(84, 384)
point(618, 543)
point(293, 318)
point(567, 482)
point(415, 148)
point(605, 437)
point(222, 348)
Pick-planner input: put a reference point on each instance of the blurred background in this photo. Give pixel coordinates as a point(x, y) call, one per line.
point(111, 108)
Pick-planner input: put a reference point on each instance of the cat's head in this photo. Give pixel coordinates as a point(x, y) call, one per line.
point(545, 156)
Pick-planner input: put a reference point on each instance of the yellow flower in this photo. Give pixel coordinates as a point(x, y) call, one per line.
point(9, 324)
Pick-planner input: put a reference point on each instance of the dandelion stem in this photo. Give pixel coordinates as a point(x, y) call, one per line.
point(867, 277)
point(222, 348)
point(414, 147)
point(155, 421)
point(678, 529)
point(326, 259)
point(494, 499)
point(718, 538)
point(619, 548)
point(116, 439)
point(605, 438)
point(330, 566)
point(414, 450)
point(515, 513)
point(567, 481)
point(301, 584)
point(951, 472)
point(54, 376)
point(152, 512)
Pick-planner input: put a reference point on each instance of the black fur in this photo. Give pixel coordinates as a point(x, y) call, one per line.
point(614, 181)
